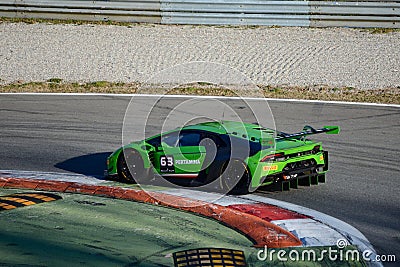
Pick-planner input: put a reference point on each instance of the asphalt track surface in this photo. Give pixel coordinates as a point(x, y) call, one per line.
point(76, 133)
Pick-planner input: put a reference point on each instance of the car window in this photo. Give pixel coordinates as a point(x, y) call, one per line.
point(155, 141)
point(170, 139)
point(189, 139)
point(215, 138)
point(186, 139)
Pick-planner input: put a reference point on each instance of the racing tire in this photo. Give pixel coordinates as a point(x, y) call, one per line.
point(235, 178)
point(130, 166)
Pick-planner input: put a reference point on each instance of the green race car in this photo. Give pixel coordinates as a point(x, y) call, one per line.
point(233, 156)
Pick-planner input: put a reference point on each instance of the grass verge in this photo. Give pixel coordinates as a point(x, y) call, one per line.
point(348, 94)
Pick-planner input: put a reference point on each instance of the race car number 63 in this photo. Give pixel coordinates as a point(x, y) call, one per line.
point(166, 161)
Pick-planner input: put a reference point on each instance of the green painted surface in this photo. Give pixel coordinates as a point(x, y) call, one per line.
point(82, 230)
point(94, 231)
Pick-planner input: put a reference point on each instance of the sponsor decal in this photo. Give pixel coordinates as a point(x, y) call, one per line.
point(270, 168)
point(187, 161)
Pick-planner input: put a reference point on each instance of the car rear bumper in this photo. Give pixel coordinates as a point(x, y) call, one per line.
point(304, 169)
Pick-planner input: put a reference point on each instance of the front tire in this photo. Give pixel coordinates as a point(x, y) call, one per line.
point(130, 166)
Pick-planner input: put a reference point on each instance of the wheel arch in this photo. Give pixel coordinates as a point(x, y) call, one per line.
point(141, 149)
point(236, 189)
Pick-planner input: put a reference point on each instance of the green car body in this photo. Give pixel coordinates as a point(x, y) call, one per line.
point(266, 156)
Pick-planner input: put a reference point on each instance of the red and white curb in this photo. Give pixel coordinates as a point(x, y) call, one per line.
point(310, 231)
point(266, 221)
point(311, 227)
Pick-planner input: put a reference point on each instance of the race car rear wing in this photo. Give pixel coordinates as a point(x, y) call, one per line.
point(308, 130)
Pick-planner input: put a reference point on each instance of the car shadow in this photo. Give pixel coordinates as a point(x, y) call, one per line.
point(89, 165)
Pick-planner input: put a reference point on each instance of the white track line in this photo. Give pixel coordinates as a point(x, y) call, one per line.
point(207, 97)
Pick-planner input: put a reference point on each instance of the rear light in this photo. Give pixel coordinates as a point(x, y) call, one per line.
point(274, 157)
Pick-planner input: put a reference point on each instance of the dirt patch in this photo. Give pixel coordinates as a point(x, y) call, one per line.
point(348, 94)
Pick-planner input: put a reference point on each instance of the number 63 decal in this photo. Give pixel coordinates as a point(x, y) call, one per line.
point(166, 161)
point(167, 164)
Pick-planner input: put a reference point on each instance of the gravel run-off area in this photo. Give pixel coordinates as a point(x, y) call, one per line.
point(292, 56)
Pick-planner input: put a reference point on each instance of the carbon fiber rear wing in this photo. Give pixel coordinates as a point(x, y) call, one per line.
point(308, 130)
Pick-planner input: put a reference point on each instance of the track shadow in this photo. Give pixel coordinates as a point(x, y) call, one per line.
point(90, 164)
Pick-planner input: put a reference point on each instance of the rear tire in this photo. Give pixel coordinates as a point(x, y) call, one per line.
point(236, 178)
point(130, 166)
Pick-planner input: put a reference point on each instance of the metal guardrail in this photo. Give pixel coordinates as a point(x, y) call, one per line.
point(231, 12)
point(148, 11)
point(355, 14)
point(368, 13)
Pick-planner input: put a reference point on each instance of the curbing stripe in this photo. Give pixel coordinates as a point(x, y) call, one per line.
point(6, 201)
point(261, 232)
point(18, 200)
point(268, 212)
point(311, 232)
point(353, 235)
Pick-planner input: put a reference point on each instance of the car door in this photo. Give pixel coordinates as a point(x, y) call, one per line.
point(180, 155)
point(217, 154)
